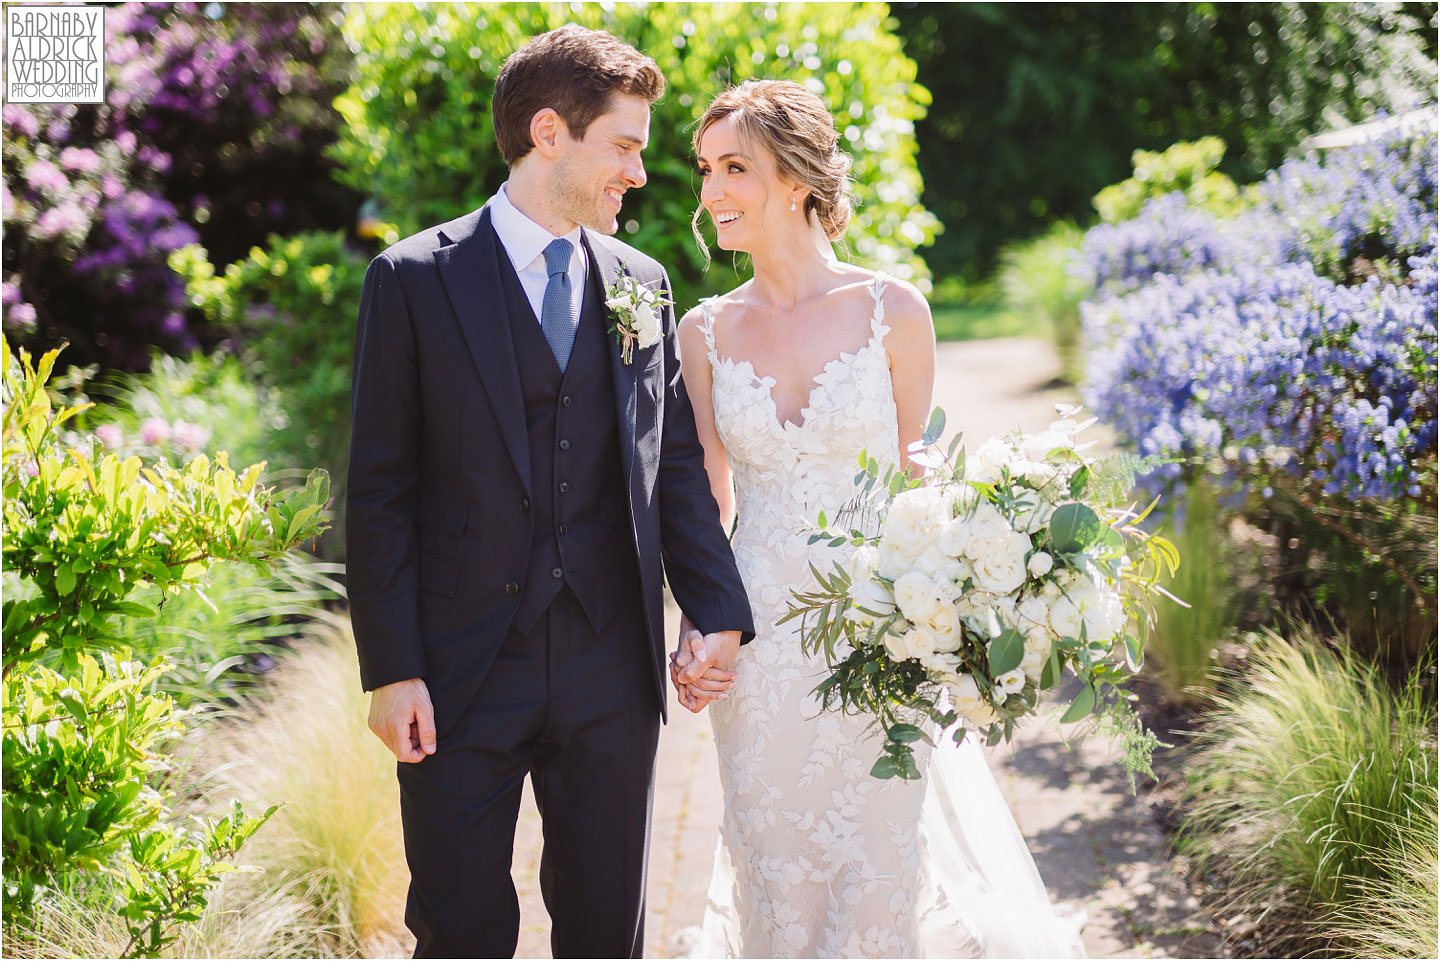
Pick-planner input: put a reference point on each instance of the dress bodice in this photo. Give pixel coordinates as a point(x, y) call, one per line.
point(785, 474)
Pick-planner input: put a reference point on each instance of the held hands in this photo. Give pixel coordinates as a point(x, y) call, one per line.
point(401, 715)
point(700, 666)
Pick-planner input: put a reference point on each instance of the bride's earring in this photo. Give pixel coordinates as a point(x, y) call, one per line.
point(792, 203)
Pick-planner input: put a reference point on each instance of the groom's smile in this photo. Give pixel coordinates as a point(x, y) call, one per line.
point(592, 174)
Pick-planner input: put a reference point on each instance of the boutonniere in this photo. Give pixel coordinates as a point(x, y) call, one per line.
point(637, 315)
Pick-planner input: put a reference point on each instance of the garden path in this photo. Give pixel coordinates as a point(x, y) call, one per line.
point(1096, 844)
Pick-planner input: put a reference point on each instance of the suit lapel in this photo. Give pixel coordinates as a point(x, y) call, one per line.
point(470, 269)
point(608, 271)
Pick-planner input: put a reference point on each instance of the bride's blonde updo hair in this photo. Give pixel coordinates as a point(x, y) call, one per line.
point(795, 127)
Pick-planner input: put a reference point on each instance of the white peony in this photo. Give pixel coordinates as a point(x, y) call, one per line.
point(1103, 613)
point(1032, 617)
point(941, 566)
point(967, 700)
point(914, 521)
point(914, 643)
point(915, 595)
point(1000, 563)
point(1040, 564)
point(1013, 682)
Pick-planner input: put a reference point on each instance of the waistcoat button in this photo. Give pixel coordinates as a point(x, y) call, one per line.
point(512, 588)
point(557, 573)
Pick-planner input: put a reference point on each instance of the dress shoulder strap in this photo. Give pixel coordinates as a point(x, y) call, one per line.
point(878, 327)
point(707, 327)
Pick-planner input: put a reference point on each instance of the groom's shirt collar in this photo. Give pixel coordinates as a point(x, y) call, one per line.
point(525, 240)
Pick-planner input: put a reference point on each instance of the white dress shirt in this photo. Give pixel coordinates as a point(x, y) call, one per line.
point(525, 241)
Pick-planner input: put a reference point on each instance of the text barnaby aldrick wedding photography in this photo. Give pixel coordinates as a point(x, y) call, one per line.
point(55, 54)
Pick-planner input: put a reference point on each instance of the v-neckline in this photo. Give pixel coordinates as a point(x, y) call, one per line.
point(816, 382)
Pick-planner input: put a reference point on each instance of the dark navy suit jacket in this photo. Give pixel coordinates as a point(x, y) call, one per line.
point(439, 442)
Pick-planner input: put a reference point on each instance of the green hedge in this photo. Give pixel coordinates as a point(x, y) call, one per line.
point(419, 138)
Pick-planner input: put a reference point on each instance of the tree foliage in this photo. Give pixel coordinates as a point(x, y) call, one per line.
point(1038, 106)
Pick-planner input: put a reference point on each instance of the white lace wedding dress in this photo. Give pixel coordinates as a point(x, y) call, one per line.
point(817, 858)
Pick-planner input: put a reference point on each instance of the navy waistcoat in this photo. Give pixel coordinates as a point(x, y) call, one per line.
point(582, 524)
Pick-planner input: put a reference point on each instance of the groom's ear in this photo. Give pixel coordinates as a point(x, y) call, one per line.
point(546, 128)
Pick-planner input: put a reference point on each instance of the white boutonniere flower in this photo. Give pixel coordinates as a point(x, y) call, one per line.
point(637, 315)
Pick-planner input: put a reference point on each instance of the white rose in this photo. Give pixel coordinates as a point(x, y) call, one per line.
point(987, 523)
point(915, 595)
point(914, 521)
point(940, 565)
point(914, 643)
point(1013, 682)
point(1000, 563)
point(967, 700)
point(955, 537)
point(944, 626)
point(941, 662)
point(1065, 617)
point(1037, 652)
point(864, 560)
point(647, 325)
point(1040, 564)
point(984, 465)
point(1032, 617)
point(874, 597)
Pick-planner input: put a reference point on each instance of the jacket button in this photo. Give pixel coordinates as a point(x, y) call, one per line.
point(512, 588)
point(564, 529)
point(557, 573)
point(524, 503)
point(564, 444)
point(564, 486)
point(565, 401)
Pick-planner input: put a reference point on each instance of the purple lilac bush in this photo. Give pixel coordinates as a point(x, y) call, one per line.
point(1295, 340)
point(207, 106)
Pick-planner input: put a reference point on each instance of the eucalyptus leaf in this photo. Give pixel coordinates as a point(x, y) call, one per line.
point(1081, 707)
point(1074, 527)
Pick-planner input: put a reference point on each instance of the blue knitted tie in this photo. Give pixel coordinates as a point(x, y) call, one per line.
point(557, 311)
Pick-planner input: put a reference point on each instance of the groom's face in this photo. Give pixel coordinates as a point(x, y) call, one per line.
point(591, 176)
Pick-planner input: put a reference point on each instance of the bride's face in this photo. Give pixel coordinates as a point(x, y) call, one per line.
point(739, 189)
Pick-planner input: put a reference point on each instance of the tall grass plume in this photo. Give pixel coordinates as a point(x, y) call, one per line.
point(1308, 771)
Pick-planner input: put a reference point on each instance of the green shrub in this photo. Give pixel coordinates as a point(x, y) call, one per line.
point(81, 730)
point(1039, 280)
point(1306, 774)
point(1185, 167)
point(418, 133)
point(291, 309)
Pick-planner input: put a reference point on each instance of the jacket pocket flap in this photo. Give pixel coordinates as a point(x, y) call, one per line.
point(443, 515)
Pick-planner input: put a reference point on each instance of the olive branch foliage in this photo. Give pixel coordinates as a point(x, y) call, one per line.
point(1091, 527)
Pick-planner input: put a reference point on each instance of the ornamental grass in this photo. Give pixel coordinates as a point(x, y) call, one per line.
point(1311, 800)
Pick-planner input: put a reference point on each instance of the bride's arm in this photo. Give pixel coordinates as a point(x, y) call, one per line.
point(695, 368)
point(911, 346)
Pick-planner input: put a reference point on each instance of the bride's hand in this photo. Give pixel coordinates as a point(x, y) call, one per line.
point(695, 694)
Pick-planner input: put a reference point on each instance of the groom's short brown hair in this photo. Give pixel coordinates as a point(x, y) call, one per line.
point(572, 70)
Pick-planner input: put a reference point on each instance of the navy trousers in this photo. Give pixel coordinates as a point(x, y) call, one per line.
point(575, 709)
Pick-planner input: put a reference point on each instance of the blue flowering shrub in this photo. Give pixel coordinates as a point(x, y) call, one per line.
point(1289, 350)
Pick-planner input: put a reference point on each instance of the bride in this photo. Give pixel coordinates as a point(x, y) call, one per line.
point(792, 374)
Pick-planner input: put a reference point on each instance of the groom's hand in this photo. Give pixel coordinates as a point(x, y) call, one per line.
point(697, 684)
point(401, 715)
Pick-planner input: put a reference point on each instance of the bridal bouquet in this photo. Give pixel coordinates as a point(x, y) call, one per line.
point(981, 587)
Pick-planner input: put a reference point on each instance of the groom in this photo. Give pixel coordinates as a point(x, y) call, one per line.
point(515, 485)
